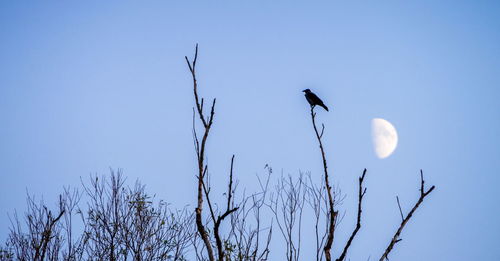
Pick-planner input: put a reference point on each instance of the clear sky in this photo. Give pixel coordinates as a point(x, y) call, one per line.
point(90, 85)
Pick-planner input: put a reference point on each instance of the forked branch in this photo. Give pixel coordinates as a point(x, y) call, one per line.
point(200, 151)
point(396, 237)
point(229, 210)
point(203, 176)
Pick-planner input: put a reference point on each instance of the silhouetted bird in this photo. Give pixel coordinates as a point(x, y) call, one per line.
point(313, 99)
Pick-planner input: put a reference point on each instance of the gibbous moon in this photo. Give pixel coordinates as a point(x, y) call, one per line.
point(385, 138)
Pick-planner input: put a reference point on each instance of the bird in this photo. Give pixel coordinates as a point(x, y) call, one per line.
point(313, 99)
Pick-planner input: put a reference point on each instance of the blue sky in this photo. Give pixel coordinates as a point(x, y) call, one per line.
point(89, 86)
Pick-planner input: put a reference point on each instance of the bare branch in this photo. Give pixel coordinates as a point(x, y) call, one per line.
point(243, 242)
point(395, 238)
point(228, 211)
point(332, 214)
point(201, 155)
point(230, 189)
point(400, 211)
point(361, 194)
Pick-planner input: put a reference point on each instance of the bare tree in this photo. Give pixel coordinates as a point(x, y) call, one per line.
point(243, 242)
point(200, 153)
point(119, 223)
point(104, 219)
point(287, 205)
point(43, 239)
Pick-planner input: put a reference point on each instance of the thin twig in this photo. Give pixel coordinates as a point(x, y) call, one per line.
point(400, 211)
point(230, 190)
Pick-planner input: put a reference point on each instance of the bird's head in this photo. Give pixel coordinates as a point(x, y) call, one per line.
point(307, 91)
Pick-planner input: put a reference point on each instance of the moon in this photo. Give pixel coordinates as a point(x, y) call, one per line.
point(385, 138)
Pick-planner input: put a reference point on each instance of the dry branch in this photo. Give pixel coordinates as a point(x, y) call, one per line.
point(287, 206)
point(332, 214)
point(200, 150)
point(361, 194)
point(395, 238)
point(203, 179)
point(229, 210)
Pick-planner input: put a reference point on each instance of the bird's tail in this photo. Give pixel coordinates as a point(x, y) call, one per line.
point(324, 107)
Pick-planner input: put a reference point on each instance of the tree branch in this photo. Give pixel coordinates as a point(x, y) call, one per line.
point(332, 213)
point(361, 194)
point(228, 211)
point(201, 154)
point(395, 238)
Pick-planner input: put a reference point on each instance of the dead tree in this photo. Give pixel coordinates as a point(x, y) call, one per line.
point(203, 190)
point(200, 153)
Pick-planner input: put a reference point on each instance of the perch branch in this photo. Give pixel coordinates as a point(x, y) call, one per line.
point(332, 213)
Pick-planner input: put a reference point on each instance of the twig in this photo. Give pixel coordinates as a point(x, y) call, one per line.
point(207, 196)
point(400, 211)
point(230, 190)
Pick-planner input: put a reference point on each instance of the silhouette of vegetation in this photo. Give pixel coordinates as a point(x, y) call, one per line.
point(120, 222)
